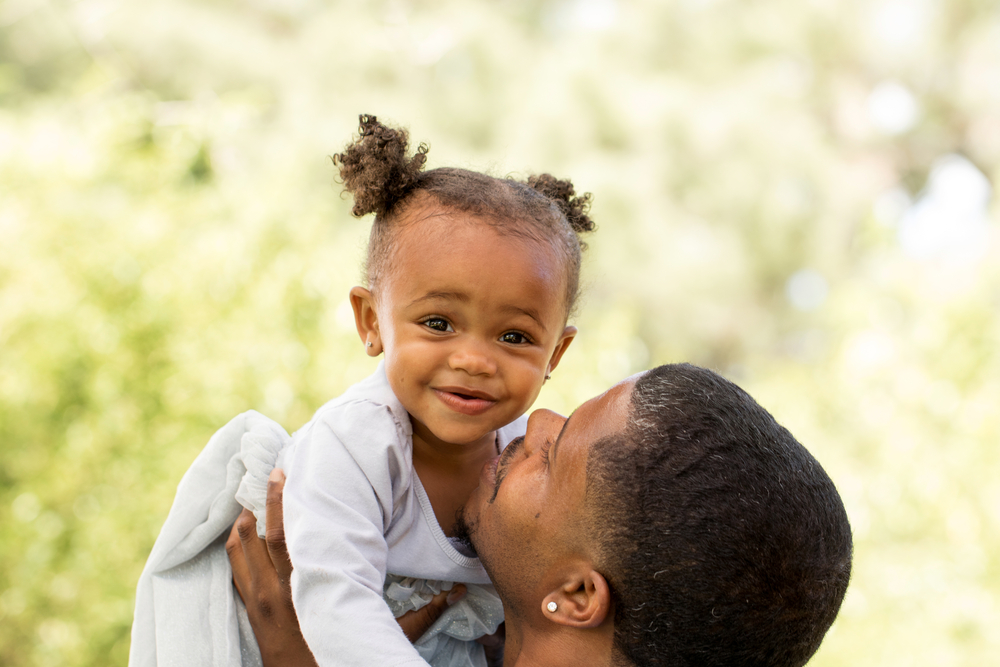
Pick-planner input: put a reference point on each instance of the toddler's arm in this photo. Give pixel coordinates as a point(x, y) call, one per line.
point(338, 504)
point(261, 572)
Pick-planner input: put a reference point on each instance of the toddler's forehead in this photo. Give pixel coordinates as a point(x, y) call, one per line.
point(426, 226)
point(428, 218)
point(443, 245)
point(424, 207)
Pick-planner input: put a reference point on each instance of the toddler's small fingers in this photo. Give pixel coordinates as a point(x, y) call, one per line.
point(456, 594)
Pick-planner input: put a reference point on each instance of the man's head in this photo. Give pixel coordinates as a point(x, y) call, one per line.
point(677, 503)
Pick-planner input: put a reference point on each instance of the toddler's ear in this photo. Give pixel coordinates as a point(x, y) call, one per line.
point(366, 320)
point(568, 334)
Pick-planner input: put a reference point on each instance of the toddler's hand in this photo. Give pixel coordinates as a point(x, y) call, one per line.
point(415, 623)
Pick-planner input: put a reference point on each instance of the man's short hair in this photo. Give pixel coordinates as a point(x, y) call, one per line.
point(723, 540)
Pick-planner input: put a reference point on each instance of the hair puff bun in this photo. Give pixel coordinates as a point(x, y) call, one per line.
point(376, 169)
point(561, 192)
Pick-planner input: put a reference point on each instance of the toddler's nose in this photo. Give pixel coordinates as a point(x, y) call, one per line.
point(474, 359)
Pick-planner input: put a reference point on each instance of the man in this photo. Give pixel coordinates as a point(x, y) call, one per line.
point(669, 521)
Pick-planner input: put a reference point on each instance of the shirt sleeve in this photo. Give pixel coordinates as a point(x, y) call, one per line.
point(338, 503)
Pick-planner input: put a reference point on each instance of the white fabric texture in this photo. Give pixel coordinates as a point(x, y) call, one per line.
point(355, 512)
point(187, 611)
point(372, 513)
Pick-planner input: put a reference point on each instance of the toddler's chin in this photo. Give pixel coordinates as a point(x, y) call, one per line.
point(462, 435)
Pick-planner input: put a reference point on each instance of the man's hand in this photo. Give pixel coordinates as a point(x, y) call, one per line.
point(261, 573)
point(494, 645)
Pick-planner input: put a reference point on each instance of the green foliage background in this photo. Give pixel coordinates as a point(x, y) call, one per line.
point(173, 251)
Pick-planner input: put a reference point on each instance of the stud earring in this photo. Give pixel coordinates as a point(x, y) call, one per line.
point(368, 344)
point(548, 377)
point(552, 606)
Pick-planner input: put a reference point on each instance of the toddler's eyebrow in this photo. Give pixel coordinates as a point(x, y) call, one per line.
point(530, 312)
point(441, 296)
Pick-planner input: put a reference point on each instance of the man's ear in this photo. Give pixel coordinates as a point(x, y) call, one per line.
point(366, 320)
point(568, 334)
point(582, 601)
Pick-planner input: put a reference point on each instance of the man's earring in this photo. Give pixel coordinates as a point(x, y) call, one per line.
point(552, 606)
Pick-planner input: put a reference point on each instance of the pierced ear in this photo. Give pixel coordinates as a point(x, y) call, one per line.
point(568, 334)
point(583, 601)
point(366, 320)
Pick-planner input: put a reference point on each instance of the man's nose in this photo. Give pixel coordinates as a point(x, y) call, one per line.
point(473, 357)
point(543, 426)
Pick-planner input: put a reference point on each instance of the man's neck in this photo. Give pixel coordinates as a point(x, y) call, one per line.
point(555, 645)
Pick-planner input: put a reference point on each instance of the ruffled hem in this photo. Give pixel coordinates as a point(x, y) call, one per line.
point(449, 642)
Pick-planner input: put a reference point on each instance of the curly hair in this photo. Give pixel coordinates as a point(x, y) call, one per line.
point(383, 178)
point(723, 540)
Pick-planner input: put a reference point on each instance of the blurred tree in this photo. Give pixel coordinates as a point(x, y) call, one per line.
point(797, 194)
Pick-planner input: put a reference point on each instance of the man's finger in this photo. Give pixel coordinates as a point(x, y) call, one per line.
point(494, 645)
point(238, 563)
point(254, 550)
point(496, 639)
point(275, 532)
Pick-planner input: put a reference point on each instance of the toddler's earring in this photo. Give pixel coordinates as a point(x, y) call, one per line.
point(368, 344)
point(548, 377)
point(552, 606)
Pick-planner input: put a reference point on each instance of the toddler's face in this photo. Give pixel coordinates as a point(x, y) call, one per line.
point(470, 322)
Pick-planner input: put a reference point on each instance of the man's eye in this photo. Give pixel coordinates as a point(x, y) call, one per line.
point(514, 338)
point(437, 324)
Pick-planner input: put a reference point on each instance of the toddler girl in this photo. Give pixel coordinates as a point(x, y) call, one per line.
point(471, 280)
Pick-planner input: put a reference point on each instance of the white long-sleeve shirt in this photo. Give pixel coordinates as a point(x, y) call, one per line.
point(355, 511)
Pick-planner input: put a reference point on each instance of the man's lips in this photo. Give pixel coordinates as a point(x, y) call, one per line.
point(496, 469)
point(466, 401)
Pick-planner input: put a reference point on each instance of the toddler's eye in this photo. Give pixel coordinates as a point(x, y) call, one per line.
point(514, 338)
point(437, 324)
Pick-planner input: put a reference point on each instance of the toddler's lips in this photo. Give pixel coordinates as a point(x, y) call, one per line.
point(465, 403)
